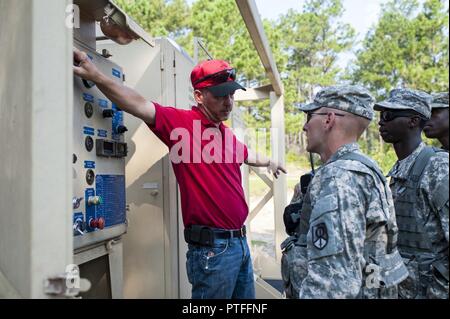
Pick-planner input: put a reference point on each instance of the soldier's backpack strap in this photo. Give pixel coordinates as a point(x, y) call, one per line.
point(419, 165)
point(366, 161)
point(392, 234)
point(418, 170)
point(391, 267)
point(421, 162)
point(438, 150)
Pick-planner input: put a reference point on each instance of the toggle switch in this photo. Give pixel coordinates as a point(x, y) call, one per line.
point(121, 129)
point(79, 226)
point(76, 202)
point(88, 84)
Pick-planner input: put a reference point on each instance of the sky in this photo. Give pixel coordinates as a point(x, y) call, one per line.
point(361, 14)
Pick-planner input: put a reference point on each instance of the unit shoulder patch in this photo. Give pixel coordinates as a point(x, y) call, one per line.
point(320, 236)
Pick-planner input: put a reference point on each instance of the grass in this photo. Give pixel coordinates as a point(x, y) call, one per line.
point(258, 243)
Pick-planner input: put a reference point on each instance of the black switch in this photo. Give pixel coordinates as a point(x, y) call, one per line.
point(88, 84)
point(121, 129)
point(108, 113)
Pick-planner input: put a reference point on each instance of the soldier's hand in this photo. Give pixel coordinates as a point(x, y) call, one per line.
point(275, 169)
point(83, 66)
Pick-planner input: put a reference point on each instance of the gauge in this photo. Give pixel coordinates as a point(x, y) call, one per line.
point(88, 110)
point(90, 177)
point(89, 143)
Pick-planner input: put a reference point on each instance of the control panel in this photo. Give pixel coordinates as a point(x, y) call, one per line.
point(99, 153)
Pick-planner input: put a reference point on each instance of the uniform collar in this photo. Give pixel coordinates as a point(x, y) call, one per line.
point(344, 149)
point(401, 168)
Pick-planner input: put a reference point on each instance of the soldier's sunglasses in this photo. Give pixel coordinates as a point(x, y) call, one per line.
point(219, 77)
point(310, 114)
point(388, 116)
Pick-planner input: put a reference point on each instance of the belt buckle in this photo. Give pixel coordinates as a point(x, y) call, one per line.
point(241, 231)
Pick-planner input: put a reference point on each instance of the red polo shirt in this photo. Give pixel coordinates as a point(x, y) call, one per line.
point(206, 160)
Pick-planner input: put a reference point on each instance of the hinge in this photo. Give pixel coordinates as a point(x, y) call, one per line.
point(162, 61)
point(174, 63)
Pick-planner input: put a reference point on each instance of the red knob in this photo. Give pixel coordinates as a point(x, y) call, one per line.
point(101, 223)
point(97, 223)
point(93, 223)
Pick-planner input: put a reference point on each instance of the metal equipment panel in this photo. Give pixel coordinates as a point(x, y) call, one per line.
point(99, 155)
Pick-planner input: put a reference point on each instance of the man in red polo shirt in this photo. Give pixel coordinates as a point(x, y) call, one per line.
point(206, 157)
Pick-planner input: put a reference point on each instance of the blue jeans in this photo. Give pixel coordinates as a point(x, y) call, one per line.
point(221, 272)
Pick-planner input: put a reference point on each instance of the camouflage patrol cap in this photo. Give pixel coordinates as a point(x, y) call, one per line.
point(349, 98)
point(440, 100)
point(407, 99)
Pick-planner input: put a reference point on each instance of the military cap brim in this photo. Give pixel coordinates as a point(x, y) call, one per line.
point(309, 107)
point(379, 106)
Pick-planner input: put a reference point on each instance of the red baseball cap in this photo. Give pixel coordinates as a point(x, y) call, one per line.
point(215, 75)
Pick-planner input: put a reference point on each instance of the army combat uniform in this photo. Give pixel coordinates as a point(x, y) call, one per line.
point(345, 245)
point(419, 185)
point(423, 222)
point(440, 101)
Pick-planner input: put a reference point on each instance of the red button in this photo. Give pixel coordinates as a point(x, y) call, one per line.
point(97, 223)
point(101, 223)
point(93, 223)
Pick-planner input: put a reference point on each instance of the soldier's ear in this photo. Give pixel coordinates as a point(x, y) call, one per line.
point(330, 120)
point(414, 122)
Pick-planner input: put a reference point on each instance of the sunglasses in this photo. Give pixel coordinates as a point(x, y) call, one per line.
point(310, 114)
point(221, 76)
point(388, 116)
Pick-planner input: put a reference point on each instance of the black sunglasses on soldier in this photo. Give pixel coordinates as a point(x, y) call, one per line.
point(388, 116)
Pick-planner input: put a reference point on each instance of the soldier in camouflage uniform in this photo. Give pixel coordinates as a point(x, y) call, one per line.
point(345, 244)
point(437, 126)
point(419, 184)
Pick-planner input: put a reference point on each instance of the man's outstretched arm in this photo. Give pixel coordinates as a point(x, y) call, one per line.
point(126, 98)
point(258, 160)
